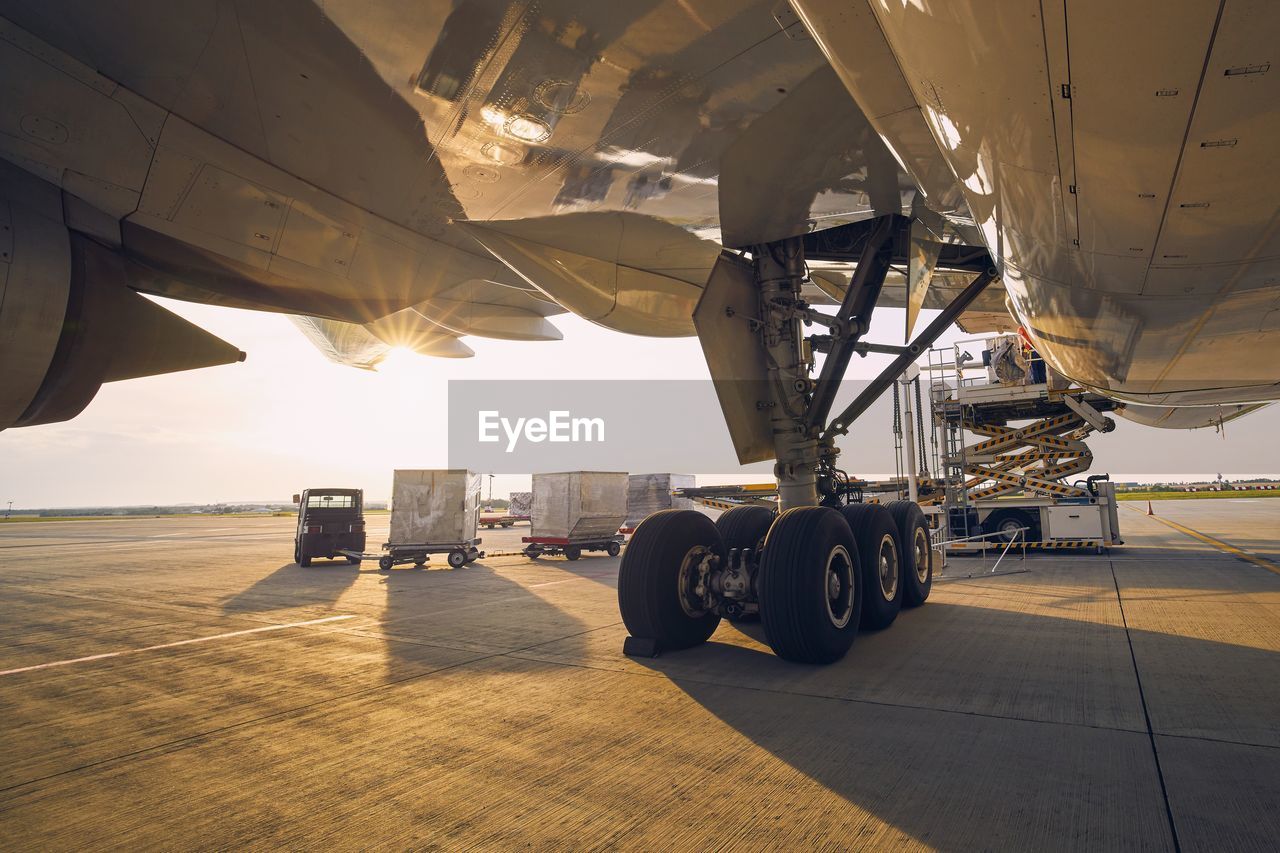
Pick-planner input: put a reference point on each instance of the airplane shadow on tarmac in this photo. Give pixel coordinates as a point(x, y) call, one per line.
point(293, 586)
point(476, 609)
point(910, 730)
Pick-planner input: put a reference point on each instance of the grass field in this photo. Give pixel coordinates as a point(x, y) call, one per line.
point(27, 518)
point(1191, 496)
point(17, 519)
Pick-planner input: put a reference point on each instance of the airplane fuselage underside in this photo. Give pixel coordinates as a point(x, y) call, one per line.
point(1116, 158)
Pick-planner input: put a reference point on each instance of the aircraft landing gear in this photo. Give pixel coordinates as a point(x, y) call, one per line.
point(823, 566)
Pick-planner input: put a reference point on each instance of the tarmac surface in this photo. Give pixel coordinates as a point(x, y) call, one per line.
point(181, 683)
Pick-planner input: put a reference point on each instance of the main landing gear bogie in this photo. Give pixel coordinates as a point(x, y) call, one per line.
point(818, 576)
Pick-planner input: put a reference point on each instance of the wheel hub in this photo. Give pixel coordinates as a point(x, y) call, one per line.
point(689, 579)
point(840, 587)
point(888, 568)
point(922, 555)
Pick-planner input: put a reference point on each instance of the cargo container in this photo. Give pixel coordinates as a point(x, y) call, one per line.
point(577, 511)
point(520, 505)
point(432, 512)
point(650, 493)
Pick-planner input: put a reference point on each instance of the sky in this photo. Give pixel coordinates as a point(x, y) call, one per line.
point(287, 419)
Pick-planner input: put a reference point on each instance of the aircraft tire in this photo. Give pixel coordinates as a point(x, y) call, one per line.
point(913, 532)
point(810, 586)
point(654, 566)
point(880, 547)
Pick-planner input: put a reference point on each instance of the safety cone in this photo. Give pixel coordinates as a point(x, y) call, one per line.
point(1149, 512)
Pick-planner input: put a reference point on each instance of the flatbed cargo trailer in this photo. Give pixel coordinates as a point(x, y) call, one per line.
point(460, 553)
point(538, 546)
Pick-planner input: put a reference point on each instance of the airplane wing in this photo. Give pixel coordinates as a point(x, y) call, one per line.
point(407, 174)
point(433, 327)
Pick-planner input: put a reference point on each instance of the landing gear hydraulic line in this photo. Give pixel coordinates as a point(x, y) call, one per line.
point(823, 566)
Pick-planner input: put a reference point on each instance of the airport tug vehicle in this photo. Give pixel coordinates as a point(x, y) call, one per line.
point(824, 564)
point(330, 524)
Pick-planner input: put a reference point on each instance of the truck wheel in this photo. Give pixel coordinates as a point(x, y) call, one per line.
point(917, 553)
point(353, 561)
point(419, 560)
point(457, 559)
point(880, 548)
point(613, 549)
point(385, 563)
point(809, 585)
point(572, 552)
point(657, 576)
point(745, 527)
point(297, 552)
point(533, 553)
point(305, 562)
point(1004, 525)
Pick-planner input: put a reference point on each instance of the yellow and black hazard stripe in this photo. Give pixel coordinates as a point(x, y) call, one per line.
point(1053, 544)
point(715, 504)
point(1067, 543)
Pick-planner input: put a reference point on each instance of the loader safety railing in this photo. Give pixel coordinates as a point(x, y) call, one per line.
point(1019, 535)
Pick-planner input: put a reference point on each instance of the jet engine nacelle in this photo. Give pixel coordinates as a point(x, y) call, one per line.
point(69, 321)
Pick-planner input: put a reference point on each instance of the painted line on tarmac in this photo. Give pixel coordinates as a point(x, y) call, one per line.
point(1260, 562)
point(174, 645)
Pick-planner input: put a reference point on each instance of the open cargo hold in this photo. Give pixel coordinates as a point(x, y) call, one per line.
point(578, 505)
point(434, 507)
point(650, 493)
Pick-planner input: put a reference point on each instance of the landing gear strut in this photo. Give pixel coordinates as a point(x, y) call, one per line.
point(823, 566)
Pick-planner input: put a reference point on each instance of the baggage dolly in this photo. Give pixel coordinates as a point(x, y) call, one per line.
point(572, 549)
point(460, 553)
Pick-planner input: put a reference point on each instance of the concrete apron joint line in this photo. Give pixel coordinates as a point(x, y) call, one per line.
point(1146, 715)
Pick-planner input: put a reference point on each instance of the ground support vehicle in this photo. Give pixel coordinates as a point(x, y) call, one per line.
point(1014, 482)
point(571, 548)
point(500, 521)
point(330, 524)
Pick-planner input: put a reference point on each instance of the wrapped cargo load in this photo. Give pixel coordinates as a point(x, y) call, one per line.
point(649, 493)
point(520, 504)
point(434, 506)
point(578, 505)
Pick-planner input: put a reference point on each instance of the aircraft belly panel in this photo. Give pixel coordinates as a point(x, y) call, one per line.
point(1157, 219)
